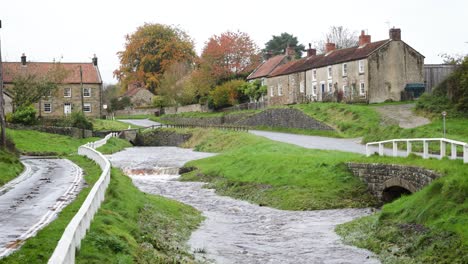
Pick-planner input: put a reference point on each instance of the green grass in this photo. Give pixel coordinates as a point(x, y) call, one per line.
point(134, 227)
point(114, 145)
point(103, 124)
point(39, 248)
point(10, 166)
point(39, 143)
point(276, 174)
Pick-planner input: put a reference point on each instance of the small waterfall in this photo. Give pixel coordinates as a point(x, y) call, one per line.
point(152, 171)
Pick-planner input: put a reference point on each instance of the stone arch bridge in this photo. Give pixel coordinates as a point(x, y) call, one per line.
point(389, 181)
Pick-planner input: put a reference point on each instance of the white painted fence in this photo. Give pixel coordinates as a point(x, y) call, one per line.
point(76, 229)
point(442, 141)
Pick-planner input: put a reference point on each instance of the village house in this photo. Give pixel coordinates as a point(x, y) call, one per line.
point(139, 95)
point(371, 72)
point(82, 86)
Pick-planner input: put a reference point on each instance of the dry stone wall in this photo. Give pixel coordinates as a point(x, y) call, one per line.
point(159, 137)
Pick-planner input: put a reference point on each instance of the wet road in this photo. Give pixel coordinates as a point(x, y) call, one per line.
point(33, 199)
point(236, 231)
point(140, 122)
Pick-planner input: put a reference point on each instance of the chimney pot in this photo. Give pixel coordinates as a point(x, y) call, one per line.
point(395, 34)
point(23, 59)
point(364, 39)
point(311, 51)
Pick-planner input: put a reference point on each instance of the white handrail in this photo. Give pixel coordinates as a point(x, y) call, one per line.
point(443, 146)
point(76, 229)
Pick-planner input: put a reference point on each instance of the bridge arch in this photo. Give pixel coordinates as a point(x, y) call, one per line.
point(394, 188)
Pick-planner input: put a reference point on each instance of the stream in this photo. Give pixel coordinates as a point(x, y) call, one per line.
point(236, 231)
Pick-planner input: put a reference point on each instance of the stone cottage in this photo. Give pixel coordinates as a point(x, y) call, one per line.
point(139, 96)
point(81, 87)
point(370, 72)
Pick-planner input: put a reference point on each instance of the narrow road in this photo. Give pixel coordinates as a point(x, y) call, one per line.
point(33, 199)
point(140, 122)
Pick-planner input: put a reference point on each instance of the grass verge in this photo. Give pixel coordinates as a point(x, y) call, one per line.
point(114, 145)
point(10, 166)
point(134, 227)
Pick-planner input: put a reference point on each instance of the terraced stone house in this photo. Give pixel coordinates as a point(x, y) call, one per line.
point(82, 86)
point(370, 72)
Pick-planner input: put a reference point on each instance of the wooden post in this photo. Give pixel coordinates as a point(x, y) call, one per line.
point(454, 151)
point(367, 150)
point(465, 153)
point(381, 149)
point(395, 148)
point(425, 149)
point(2, 102)
point(442, 149)
point(408, 147)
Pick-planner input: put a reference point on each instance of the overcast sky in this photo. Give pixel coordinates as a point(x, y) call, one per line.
point(72, 31)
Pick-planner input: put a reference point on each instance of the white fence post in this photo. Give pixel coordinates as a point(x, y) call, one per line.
point(465, 153)
point(454, 151)
point(367, 150)
point(442, 149)
point(381, 150)
point(408, 147)
point(425, 149)
point(395, 148)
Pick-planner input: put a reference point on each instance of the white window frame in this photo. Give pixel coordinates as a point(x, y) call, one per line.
point(314, 89)
point(330, 86)
point(329, 72)
point(280, 90)
point(89, 92)
point(50, 108)
point(361, 66)
point(67, 94)
point(272, 91)
point(87, 105)
point(344, 88)
point(314, 74)
point(345, 69)
point(362, 88)
point(301, 87)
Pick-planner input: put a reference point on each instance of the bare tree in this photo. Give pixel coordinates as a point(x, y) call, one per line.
point(342, 37)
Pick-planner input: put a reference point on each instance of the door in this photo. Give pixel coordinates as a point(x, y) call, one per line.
point(67, 108)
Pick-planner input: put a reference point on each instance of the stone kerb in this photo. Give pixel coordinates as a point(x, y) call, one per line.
point(76, 229)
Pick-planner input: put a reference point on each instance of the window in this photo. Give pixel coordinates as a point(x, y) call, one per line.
point(301, 87)
point(280, 90)
point(345, 69)
point(362, 89)
point(47, 107)
point(87, 107)
point(86, 92)
point(67, 92)
point(361, 66)
point(330, 86)
point(329, 72)
point(314, 89)
point(314, 75)
point(272, 92)
point(345, 90)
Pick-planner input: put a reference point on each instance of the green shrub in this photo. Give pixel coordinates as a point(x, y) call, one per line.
point(79, 120)
point(25, 115)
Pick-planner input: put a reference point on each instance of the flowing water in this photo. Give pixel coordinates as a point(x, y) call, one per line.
point(236, 231)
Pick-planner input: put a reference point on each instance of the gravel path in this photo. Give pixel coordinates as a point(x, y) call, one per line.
point(401, 115)
point(33, 199)
point(140, 122)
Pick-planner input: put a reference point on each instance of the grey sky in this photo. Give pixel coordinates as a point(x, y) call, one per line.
point(72, 31)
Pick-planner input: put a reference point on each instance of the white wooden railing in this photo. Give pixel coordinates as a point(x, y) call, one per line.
point(425, 154)
point(76, 229)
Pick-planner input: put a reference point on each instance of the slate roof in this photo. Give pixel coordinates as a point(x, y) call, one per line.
point(266, 67)
point(91, 73)
point(334, 57)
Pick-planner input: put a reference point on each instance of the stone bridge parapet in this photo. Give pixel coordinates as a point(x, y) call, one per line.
point(387, 181)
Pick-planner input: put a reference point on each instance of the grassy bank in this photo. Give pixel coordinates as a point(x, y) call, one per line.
point(10, 166)
point(134, 227)
point(276, 174)
point(114, 145)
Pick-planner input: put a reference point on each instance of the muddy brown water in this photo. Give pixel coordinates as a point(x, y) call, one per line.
point(236, 231)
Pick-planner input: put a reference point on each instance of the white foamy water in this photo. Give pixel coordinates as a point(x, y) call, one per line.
point(236, 231)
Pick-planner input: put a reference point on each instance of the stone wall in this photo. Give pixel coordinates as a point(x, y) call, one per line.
point(379, 176)
point(159, 137)
point(277, 117)
point(186, 108)
point(137, 111)
point(67, 131)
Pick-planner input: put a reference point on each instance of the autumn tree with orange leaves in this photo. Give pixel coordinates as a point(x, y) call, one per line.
point(150, 51)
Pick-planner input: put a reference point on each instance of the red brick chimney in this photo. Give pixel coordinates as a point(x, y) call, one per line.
point(364, 39)
point(395, 34)
point(311, 51)
point(329, 46)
